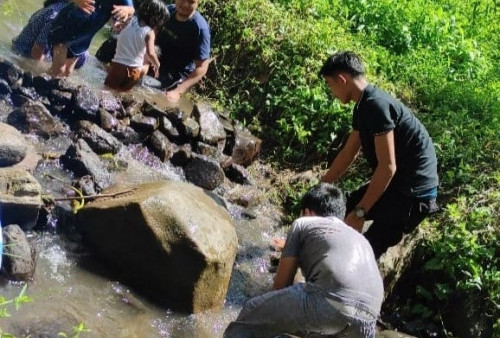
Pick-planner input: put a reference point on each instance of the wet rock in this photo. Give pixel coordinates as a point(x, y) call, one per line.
point(187, 243)
point(246, 148)
point(97, 138)
point(43, 84)
point(190, 128)
point(208, 150)
point(211, 129)
point(176, 115)
point(149, 109)
point(4, 87)
point(13, 146)
point(34, 118)
point(10, 72)
point(65, 85)
point(227, 123)
point(143, 123)
point(204, 172)
point(109, 102)
point(19, 256)
point(237, 174)
point(244, 196)
point(86, 185)
point(181, 155)
point(160, 145)
point(108, 121)
point(21, 95)
point(127, 135)
point(60, 98)
point(168, 128)
point(86, 104)
point(133, 108)
point(80, 159)
point(20, 197)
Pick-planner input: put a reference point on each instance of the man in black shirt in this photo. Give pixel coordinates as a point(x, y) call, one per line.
point(403, 188)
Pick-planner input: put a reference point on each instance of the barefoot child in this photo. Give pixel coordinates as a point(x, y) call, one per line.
point(136, 46)
point(75, 26)
point(33, 42)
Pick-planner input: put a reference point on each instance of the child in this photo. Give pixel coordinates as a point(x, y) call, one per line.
point(33, 42)
point(136, 46)
point(75, 26)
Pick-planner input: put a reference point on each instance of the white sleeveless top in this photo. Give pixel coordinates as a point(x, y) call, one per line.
point(131, 46)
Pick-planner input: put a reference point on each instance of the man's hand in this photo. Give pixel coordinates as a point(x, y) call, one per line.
point(86, 6)
point(355, 222)
point(122, 13)
point(278, 244)
point(173, 96)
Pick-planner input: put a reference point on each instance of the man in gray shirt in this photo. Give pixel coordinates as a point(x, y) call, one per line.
point(343, 291)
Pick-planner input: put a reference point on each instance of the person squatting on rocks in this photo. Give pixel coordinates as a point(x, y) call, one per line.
point(403, 188)
point(75, 26)
point(136, 46)
point(33, 41)
point(343, 291)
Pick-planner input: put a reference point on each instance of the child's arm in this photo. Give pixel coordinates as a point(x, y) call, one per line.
point(151, 52)
point(122, 13)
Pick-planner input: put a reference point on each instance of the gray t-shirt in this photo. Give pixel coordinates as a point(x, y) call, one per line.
point(337, 259)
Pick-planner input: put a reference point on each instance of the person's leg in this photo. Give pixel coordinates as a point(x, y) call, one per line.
point(69, 67)
point(59, 58)
point(116, 75)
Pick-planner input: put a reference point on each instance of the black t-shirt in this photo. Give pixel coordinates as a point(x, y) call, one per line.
point(182, 43)
point(378, 113)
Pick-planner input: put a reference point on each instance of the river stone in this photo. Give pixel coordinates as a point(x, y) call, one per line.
point(10, 72)
point(13, 146)
point(141, 123)
point(19, 256)
point(97, 138)
point(110, 102)
point(107, 121)
point(43, 83)
point(211, 129)
point(4, 87)
point(204, 172)
point(169, 239)
point(20, 197)
point(59, 97)
point(160, 145)
point(237, 174)
point(34, 118)
point(245, 149)
point(190, 128)
point(181, 155)
point(21, 95)
point(127, 135)
point(80, 159)
point(86, 104)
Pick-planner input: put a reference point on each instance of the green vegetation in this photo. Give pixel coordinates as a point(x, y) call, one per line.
point(440, 57)
point(6, 303)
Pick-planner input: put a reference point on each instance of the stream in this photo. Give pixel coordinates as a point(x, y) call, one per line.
point(71, 285)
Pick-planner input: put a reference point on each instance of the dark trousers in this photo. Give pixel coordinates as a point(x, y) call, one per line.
point(393, 215)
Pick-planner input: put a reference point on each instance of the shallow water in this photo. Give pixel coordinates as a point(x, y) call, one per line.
point(71, 286)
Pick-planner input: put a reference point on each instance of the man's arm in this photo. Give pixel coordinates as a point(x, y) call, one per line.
point(85, 5)
point(344, 158)
point(382, 176)
point(287, 268)
point(196, 75)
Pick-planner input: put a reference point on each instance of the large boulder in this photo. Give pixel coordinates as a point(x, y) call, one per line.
point(34, 118)
point(13, 146)
point(169, 239)
point(211, 129)
point(20, 198)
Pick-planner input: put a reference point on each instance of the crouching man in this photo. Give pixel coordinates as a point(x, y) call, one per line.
point(343, 291)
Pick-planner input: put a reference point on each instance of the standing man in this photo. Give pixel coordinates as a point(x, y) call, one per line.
point(403, 188)
point(343, 291)
point(185, 48)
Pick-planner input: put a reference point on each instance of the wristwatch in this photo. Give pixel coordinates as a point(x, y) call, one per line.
point(360, 212)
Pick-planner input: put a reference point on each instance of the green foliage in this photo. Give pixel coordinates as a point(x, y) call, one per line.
point(17, 302)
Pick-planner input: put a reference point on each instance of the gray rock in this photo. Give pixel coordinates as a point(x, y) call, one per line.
point(237, 174)
point(21, 95)
point(4, 87)
point(108, 121)
point(20, 197)
point(143, 123)
point(19, 256)
point(43, 84)
point(204, 172)
point(152, 110)
point(86, 104)
point(80, 159)
point(13, 146)
point(211, 129)
point(34, 118)
point(97, 138)
point(127, 135)
point(10, 72)
point(245, 149)
point(181, 155)
point(169, 239)
point(191, 128)
point(59, 98)
point(109, 102)
point(160, 145)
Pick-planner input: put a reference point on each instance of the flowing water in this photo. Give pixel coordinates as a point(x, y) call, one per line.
point(71, 286)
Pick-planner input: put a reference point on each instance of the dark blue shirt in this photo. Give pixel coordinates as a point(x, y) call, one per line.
point(182, 43)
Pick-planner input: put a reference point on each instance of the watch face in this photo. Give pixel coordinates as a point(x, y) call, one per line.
point(360, 212)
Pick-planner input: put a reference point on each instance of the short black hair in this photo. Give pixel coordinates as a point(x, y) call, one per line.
point(153, 13)
point(324, 199)
point(343, 61)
